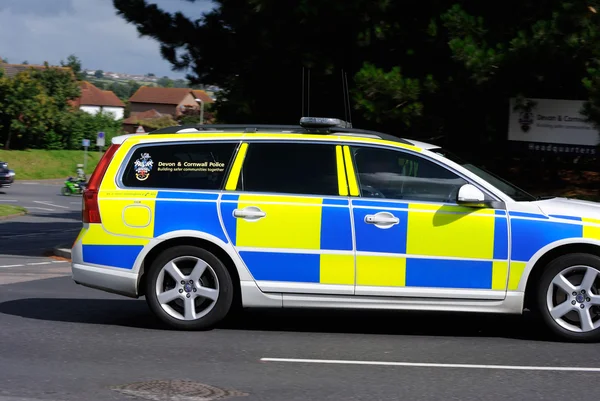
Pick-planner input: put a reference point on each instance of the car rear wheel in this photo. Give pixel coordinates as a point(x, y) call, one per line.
point(569, 298)
point(189, 288)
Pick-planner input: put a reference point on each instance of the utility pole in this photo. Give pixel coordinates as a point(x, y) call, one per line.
point(201, 110)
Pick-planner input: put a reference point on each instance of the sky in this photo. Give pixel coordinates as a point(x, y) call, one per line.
point(50, 30)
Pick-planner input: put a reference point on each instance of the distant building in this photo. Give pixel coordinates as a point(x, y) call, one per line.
point(11, 70)
point(173, 101)
point(133, 123)
point(94, 100)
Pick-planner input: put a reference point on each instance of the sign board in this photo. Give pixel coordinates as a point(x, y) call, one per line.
point(551, 121)
point(100, 139)
point(86, 143)
point(140, 130)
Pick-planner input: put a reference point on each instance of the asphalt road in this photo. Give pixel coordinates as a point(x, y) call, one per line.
point(60, 341)
point(53, 219)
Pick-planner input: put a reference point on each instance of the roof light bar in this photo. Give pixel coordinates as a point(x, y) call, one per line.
point(323, 122)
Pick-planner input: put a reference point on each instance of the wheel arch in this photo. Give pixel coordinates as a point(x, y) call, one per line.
point(194, 239)
point(539, 262)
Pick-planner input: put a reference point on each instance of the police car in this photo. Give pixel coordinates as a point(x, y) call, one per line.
point(203, 219)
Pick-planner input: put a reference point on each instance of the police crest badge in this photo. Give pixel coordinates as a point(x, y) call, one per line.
point(142, 167)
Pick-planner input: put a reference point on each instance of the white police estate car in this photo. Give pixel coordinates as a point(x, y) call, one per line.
point(321, 215)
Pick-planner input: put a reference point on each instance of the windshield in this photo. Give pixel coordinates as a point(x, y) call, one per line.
point(509, 189)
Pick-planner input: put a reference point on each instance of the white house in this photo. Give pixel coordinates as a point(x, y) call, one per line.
point(94, 100)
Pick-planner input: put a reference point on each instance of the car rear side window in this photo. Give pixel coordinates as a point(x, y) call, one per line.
point(291, 168)
point(180, 166)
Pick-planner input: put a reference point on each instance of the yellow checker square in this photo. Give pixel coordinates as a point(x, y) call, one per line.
point(450, 231)
point(97, 235)
point(290, 222)
point(385, 271)
point(128, 217)
point(499, 275)
point(592, 232)
point(337, 269)
point(515, 274)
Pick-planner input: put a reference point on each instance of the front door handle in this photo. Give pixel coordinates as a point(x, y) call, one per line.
point(384, 219)
point(250, 212)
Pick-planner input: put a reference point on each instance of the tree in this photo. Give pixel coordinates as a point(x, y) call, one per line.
point(34, 107)
point(74, 63)
point(99, 74)
point(25, 111)
point(425, 69)
point(165, 82)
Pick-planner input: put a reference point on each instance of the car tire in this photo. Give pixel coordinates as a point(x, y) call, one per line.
point(564, 324)
point(215, 278)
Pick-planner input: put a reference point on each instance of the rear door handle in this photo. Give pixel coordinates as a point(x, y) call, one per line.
point(384, 219)
point(250, 212)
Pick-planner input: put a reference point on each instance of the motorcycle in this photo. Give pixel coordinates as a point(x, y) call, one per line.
point(73, 187)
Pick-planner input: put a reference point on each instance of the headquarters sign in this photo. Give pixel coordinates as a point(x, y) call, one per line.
point(552, 121)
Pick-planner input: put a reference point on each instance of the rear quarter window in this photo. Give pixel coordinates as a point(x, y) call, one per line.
point(179, 166)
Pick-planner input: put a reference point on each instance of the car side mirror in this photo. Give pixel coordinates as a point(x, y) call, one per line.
point(470, 195)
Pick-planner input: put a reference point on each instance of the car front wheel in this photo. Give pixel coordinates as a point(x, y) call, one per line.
point(189, 288)
point(568, 297)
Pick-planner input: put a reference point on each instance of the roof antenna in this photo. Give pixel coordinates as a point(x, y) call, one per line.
point(308, 96)
point(303, 86)
point(344, 95)
point(348, 97)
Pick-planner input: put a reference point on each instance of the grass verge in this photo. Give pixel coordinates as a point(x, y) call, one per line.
point(10, 210)
point(46, 164)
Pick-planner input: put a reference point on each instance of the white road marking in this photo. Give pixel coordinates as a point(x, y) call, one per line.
point(8, 200)
point(10, 236)
point(434, 365)
point(51, 204)
point(40, 208)
point(35, 264)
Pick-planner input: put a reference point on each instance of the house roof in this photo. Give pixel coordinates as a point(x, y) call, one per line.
point(91, 95)
point(134, 118)
point(11, 70)
point(110, 96)
point(157, 95)
point(200, 94)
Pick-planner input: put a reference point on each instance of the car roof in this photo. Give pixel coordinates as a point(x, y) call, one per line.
point(292, 130)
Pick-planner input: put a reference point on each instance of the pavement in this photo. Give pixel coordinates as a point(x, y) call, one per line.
point(63, 342)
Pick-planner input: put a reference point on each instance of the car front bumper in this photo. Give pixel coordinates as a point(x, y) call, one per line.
point(6, 181)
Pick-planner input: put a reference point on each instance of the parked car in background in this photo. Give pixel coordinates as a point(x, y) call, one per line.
point(7, 177)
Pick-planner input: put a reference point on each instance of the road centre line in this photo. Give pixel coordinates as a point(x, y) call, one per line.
point(51, 204)
point(40, 208)
point(434, 365)
point(36, 264)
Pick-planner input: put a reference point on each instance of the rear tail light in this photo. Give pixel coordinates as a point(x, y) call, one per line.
point(90, 209)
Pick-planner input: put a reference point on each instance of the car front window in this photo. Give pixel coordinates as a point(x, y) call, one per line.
point(508, 188)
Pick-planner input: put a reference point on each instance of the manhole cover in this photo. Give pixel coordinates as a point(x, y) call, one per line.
point(176, 390)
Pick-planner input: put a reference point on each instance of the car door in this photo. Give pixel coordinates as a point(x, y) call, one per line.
point(287, 213)
point(413, 239)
